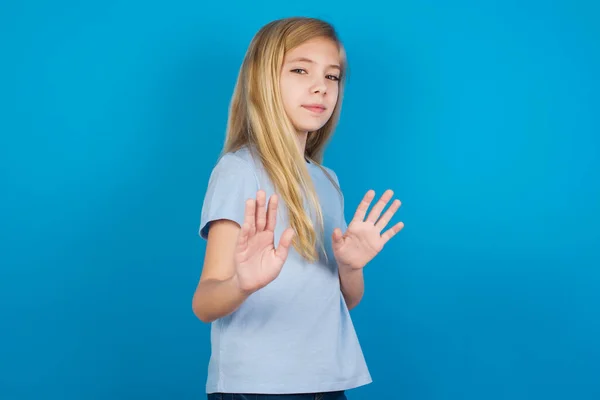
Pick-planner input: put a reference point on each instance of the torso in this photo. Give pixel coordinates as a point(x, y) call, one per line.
point(294, 335)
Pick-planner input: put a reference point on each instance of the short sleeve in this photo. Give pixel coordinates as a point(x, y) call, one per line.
point(231, 183)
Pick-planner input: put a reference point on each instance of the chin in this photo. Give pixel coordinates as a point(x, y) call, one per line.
point(310, 127)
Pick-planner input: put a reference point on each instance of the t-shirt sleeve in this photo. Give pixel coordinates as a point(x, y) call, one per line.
point(231, 183)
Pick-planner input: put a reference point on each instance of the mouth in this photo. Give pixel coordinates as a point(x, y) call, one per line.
point(315, 108)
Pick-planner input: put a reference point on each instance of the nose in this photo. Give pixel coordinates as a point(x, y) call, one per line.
point(319, 86)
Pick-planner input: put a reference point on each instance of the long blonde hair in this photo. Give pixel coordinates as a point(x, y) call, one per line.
point(257, 118)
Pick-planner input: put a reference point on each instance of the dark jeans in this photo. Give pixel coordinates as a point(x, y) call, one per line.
point(301, 396)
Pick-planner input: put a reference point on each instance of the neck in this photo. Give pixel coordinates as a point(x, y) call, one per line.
point(301, 140)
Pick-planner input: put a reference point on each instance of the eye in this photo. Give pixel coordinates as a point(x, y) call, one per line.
point(299, 71)
point(333, 77)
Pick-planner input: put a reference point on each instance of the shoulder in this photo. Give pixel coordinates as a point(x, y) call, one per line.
point(239, 163)
point(233, 170)
point(233, 180)
point(236, 159)
point(330, 174)
point(329, 182)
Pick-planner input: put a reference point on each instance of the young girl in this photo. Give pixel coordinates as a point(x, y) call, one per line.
point(282, 269)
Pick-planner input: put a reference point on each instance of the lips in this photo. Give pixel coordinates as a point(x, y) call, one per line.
point(316, 108)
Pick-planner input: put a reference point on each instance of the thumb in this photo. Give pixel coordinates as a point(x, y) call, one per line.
point(284, 243)
point(337, 236)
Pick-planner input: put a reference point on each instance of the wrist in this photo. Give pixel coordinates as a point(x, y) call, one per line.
point(243, 292)
point(347, 269)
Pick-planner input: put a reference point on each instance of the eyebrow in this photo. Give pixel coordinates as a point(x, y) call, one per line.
point(308, 60)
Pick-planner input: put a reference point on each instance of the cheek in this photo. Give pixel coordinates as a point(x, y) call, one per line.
point(288, 92)
point(334, 87)
point(333, 92)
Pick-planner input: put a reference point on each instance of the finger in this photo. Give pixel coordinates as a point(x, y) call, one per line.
point(392, 231)
point(285, 243)
point(249, 216)
point(242, 243)
point(387, 216)
point(362, 208)
point(379, 206)
point(261, 211)
point(337, 237)
point(272, 213)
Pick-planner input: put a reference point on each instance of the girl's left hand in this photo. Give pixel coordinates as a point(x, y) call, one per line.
point(363, 240)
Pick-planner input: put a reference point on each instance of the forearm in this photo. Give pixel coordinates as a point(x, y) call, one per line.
point(217, 298)
point(352, 284)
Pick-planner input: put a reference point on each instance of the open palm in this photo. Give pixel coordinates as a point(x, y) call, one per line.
point(257, 261)
point(363, 239)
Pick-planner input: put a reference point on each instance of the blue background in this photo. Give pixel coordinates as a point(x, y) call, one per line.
point(483, 116)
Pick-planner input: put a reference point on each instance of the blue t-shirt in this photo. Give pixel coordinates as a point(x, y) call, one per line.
point(295, 335)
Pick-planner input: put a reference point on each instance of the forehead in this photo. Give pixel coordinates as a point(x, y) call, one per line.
point(320, 50)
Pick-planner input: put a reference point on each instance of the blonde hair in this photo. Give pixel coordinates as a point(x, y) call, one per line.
point(257, 118)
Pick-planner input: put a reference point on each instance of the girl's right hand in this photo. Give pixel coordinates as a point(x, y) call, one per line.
point(257, 262)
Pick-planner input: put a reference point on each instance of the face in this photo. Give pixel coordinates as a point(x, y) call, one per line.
point(309, 83)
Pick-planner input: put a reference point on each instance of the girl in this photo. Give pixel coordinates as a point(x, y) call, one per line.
point(283, 269)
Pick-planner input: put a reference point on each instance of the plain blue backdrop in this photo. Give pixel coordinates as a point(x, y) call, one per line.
point(483, 116)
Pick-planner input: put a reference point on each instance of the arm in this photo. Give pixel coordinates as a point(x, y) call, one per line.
point(352, 284)
point(240, 260)
point(218, 293)
point(361, 242)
